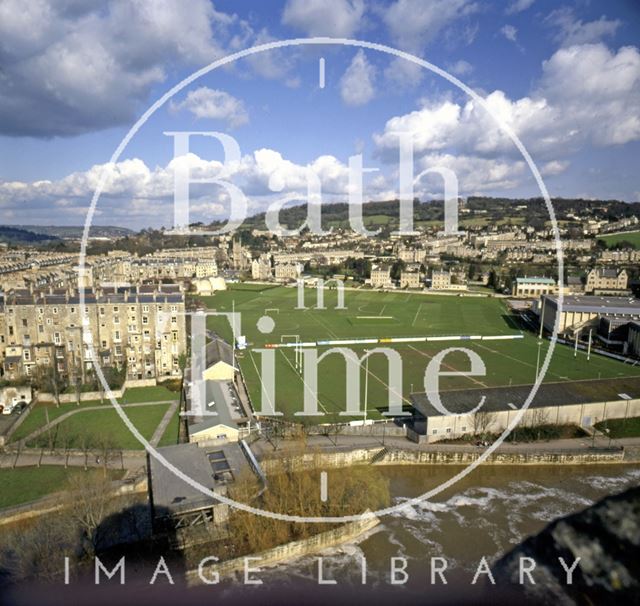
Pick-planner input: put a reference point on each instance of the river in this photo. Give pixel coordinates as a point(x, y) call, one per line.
point(486, 514)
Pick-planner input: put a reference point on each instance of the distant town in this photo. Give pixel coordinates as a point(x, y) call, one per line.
point(127, 309)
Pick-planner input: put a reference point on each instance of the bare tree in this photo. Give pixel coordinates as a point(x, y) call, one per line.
point(47, 378)
point(538, 417)
point(91, 499)
point(481, 421)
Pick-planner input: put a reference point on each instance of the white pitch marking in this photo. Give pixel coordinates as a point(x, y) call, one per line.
point(512, 405)
point(323, 486)
point(321, 74)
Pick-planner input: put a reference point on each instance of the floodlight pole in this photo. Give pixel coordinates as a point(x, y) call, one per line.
point(589, 348)
point(366, 383)
point(538, 359)
point(233, 332)
point(575, 349)
point(541, 318)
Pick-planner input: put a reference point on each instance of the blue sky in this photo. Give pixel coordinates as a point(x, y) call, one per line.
point(76, 76)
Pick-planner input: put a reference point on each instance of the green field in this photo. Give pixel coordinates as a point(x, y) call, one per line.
point(171, 433)
point(631, 236)
point(401, 314)
point(103, 428)
point(91, 422)
point(25, 484)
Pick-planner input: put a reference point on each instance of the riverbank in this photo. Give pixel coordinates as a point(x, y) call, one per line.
point(343, 451)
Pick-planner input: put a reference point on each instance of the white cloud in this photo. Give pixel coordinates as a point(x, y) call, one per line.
point(572, 30)
point(133, 193)
point(518, 6)
point(587, 94)
point(357, 83)
point(214, 104)
point(460, 68)
point(474, 174)
point(413, 24)
point(555, 167)
point(75, 67)
point(339, 18)
point(596, 92)
point(509, 32)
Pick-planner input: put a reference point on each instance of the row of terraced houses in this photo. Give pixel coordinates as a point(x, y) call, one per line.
point(142, 329)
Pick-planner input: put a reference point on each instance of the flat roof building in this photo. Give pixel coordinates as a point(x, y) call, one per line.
point(578, 310)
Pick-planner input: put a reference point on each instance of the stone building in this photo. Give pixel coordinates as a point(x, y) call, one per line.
point(380, 276)
point(410, 276)
point(261, 268)
point(533, 287)
point(602, 281)
point(441, 280)
point(286, 272)
point(142, 329)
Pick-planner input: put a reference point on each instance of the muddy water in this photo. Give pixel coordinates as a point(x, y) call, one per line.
point(486, 514)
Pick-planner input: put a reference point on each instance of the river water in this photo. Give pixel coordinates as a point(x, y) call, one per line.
point(486, 514)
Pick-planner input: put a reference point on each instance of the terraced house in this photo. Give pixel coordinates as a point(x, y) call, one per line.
point(139, 328)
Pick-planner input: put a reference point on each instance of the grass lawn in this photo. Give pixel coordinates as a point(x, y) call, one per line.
point(156, 393)
point(37, 417)
point(621, 428)
point(170, 436)
point(25, 484)
point(96, 428)
point(371, 314)
point(631, 236)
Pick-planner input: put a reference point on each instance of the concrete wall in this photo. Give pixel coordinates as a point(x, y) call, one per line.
point(583, 415)
point(463, 456)
point(288, 551)
point(85, 396)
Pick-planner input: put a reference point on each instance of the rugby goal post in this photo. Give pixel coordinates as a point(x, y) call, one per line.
point(297, 349)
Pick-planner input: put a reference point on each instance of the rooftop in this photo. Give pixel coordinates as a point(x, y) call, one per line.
point(212, 468)
point(596, 304)
point(460, 401)
point(535, 280)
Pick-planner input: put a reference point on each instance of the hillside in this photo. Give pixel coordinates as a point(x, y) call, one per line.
point(17, 235)
point(74, 232)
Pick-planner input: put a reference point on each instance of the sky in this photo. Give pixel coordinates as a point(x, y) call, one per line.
point(75, 76)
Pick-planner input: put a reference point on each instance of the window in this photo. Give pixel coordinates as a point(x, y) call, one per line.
point(55, 310)
point(11, 331)
point(434, 432)
point(24, 322)
point(116, 319)
point(145, 319)
point(448, 429)
point(145, 308)
point(56, 338)
point(27, 355)
point(115, 309)
point(102, 311)
point(463, 428)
